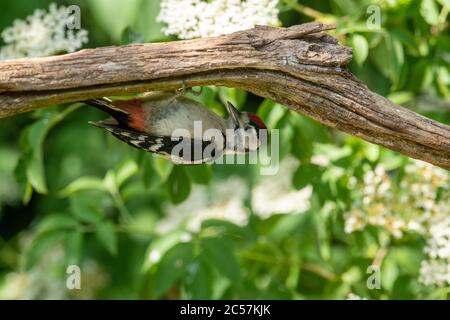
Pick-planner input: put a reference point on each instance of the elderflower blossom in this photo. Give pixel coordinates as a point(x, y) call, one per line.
point(275, 195)
point(352, 296)
point(226, 201)
point(44, 280)
point(438, 246)
point(413, 207)
point(199, 18)
point(435, 273)
point(421, 203)
point(223, 200)
point(435, 270)
point(42, 34)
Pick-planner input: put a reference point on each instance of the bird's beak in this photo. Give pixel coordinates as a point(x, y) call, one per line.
point(234, 113)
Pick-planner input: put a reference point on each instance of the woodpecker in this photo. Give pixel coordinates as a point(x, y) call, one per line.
point(179, 128)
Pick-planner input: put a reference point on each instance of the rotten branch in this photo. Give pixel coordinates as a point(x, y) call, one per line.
point(300, 67)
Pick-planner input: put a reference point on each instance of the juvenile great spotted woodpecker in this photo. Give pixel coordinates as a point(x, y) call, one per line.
point(179, 128)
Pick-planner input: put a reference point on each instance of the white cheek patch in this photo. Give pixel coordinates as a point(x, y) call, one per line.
point(251, 140)
point(242, 141)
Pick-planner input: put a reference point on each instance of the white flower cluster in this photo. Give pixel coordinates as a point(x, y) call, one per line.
point(436, 269)
point(438, 246)
point(352, 296)
point(421, 204)
point(42, 34)
point(226, 201)
point(189, 19)
point(412, 207)
point(275, 195)
point(223, 200)
point(377, 204)
point(435, 273)
point(44, 280)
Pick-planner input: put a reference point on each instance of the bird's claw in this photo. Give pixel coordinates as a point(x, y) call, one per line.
point(184, 89)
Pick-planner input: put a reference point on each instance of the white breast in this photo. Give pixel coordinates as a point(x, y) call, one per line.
point(165, 116)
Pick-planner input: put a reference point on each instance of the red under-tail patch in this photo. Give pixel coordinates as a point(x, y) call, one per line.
point(136, 119)
point(254, 118)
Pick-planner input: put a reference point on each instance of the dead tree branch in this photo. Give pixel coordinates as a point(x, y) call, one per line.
point(300, 67)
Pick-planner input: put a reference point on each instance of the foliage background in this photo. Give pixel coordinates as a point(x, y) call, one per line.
point(140, 227)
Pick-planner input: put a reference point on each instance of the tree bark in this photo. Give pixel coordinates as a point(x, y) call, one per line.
point(300, 67)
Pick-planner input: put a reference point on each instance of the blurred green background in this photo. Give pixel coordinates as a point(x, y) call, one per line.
point(139, 227)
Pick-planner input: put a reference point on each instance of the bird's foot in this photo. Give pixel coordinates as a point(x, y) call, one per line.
point(184, 89)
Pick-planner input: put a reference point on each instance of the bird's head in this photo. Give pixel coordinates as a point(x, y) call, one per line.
point(248, 130)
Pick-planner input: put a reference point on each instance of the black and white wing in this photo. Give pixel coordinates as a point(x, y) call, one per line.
point(179, 150)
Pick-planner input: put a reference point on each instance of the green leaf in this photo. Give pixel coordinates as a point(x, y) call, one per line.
point(443, 42)
point(150, 177)
point(125, 172)
point(114, 15)
point(200, 284)
point(306, 174)
point(408, 258)
point(438, 294)
point(72, 247)
point(28, 193)
point(35, 164)
point(173, 267)
point(107, 236)
point(31, 165)
point(422, 76)
point(221, 226)
point(371, 151)
point(146, 23)
point(403, 288)
point(236, 96)
point(302, 148)
point(163, 167)
point(41, 244)
point(397, 57)
point(408, 40)
point(390, 160)
point(179, 184)
point(110, 182)
point(311, 129)
point(55, 222)
point(271, 113)
point(86, 209)
point(287, 132)
point(389, 272)
point(289, 224)
point(389, 58)
point(443, 80)
point(200, 174)
point(360, 48)
point(160, 246)
point(445, 3)
point(401, 97)
point(20, 170)
point(130, 36)
point(332, 152)
point(219, 252)
point(83, 184)
point(429, 11)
